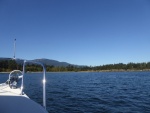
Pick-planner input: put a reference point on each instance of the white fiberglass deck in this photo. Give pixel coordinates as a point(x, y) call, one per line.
point(12, 102)
point(6, 90)
point(12, 98)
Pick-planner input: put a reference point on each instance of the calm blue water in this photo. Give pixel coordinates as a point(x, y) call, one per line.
point(94, 92)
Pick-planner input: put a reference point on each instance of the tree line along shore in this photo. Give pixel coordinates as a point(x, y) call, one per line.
point(9, 65)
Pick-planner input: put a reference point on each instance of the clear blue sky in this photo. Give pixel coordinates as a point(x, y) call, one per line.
point(83, 32)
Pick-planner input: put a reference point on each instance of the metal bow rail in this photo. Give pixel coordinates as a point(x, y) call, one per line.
point(44, 79)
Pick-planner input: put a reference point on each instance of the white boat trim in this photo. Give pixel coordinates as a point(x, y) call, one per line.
point(14, 100)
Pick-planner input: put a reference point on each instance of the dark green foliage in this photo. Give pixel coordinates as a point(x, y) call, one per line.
point(121, 66)
point(9, 65)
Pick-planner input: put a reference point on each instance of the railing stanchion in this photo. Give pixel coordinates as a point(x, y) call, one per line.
point(44, 80)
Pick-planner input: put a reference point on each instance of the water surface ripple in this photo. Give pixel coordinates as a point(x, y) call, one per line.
point(93, 92)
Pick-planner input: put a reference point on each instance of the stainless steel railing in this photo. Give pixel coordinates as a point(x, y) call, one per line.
point(44, 79)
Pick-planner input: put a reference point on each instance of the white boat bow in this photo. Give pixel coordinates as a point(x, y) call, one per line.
point(14, 100)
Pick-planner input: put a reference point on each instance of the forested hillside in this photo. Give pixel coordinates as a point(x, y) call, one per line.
point(9, 65)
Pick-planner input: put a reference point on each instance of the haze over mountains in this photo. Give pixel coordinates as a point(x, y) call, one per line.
point(44, 61)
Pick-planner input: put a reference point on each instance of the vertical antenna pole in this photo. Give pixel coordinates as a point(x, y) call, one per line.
point(14, 48)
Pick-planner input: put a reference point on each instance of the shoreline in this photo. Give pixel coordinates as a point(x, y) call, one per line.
point(113, 70)
point(4, 72)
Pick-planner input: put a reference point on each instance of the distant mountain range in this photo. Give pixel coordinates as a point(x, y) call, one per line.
point(52, 62)
point(44, 61)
